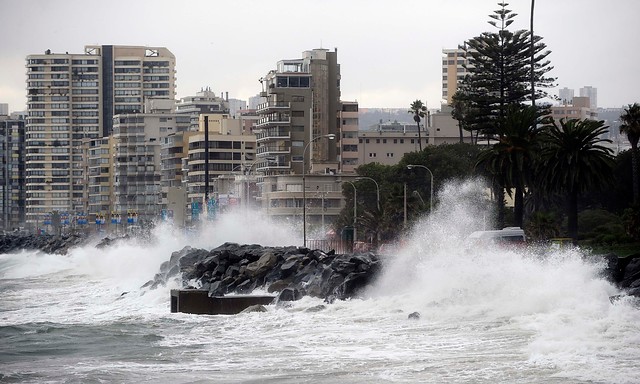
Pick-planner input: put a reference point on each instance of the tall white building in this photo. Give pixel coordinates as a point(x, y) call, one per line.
point(566, 96)
point(72, 98)
point(592, 94)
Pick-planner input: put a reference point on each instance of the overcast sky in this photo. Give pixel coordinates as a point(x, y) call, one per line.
point(390, 51)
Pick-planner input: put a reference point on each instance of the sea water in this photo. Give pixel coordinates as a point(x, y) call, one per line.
point(486, 315)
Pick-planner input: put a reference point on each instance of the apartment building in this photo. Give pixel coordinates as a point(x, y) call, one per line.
point(230, 149)
point(298, 134)
point(387, 146)
point(302, 101)
point(579, 109)
point(454, 64)
point(12, 173)
point(349, 136)
point(592, 94)
point(204, 101)
point(72, 99)
point(136, 144)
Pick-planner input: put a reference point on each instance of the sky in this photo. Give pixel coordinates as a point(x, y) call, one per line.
point(390, 52)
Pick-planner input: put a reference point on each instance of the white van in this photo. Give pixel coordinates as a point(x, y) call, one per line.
point(507, 236)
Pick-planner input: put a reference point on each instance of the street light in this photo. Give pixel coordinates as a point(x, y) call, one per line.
point(330, 136)
point(377, 188)
point(411, 166)
point(355, 205)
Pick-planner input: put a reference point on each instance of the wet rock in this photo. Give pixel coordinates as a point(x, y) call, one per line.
point(289, 294)
point(255, 308)
point(414, 316)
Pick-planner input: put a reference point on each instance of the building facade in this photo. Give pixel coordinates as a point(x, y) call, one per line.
point(454, 64)
point(205, 102)
point(592, 94)
point(72, 99)
point(302, 102)
point(349, 123)
point(579, 109)
point(12, 174)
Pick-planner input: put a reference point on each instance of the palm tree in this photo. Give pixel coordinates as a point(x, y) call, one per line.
point(574, 161)
point(419, 110)
point(631, 126)
point(512, 157)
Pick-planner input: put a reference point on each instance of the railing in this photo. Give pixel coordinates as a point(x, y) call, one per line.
point(273, 133)
point(339, 246)
point(273, 120)
point(273, 148)
point(272, 105)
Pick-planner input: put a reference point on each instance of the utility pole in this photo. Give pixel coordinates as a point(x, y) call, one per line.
point(206, 159)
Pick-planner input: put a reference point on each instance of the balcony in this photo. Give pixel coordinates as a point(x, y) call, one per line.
point(274, 120)
point(273, 106)
point(270, 150)
point(273, 134)
point(273, 166)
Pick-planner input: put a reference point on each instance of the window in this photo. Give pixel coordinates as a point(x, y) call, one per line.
point(389, 154)
point(372, 154)
point(377, 141)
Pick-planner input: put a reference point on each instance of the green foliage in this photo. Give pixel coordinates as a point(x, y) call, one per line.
point(500, 74)
point(631, 126)
point(419, 111)
point(631, 222)
point(599, 227)
point(573, 161)
point(543, 226)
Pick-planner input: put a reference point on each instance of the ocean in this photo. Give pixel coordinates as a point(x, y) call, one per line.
point(486, 316)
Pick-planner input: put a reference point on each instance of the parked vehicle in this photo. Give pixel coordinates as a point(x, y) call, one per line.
point(506, 236)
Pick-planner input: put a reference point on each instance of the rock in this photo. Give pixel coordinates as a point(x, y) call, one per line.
point(289, 294)
point(317, 308)
point(254, 308)
point(278, 286)
point(414, 316)
point(262, 265)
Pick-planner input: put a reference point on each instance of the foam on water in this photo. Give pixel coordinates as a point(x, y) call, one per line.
point(486, 314)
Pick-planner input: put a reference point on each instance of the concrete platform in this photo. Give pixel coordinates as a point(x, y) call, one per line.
point(197, 301)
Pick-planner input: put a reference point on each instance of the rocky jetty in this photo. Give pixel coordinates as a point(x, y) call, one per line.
point(10, 243)
point(292, 272)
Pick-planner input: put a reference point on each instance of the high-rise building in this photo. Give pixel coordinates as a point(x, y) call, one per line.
point(453, 71)
point(72, 98)
point(12, 174)
point(235, 106)
point(566, 96)
point(137, 140)
point(302, 102)
point(592, 94)
point(349, 136)
point(298, 120)
point(204, 102)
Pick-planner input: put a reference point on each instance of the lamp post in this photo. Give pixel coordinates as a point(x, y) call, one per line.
point(411, 166)
point(377, 188)
point(355, 206)
point(330, 136)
